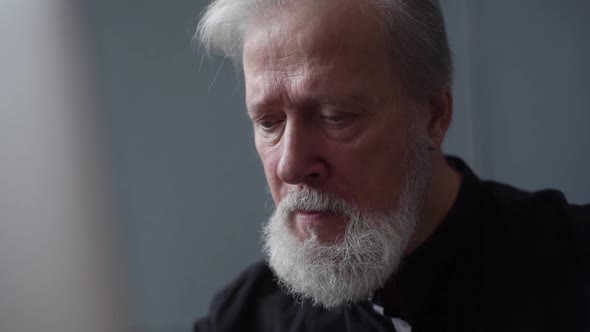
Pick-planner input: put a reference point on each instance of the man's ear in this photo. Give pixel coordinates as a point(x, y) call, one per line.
point(440, 108)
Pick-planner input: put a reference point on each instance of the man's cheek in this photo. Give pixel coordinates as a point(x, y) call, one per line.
point(274, 183)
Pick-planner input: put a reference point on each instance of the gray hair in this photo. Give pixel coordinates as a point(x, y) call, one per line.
point(413, 30)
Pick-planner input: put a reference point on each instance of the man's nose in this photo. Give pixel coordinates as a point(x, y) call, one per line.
point(301, 160)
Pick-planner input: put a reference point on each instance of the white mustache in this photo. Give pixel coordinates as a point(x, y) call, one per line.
point(310, 199)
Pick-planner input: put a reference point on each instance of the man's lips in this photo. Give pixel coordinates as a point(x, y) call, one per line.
point(328, 226)
point(309, 218)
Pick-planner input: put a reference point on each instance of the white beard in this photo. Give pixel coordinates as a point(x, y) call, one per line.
point(337, 274)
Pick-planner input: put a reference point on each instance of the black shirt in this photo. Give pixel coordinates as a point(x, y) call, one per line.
point(501, 260)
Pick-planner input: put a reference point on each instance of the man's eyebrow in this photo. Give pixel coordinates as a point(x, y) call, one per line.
point(348, 99)
point(351, 99)
point(258, 107)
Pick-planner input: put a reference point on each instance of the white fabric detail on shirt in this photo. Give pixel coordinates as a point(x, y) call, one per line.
point(399, 324)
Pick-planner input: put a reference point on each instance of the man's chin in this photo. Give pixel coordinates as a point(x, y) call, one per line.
point(336, 275)
point(326, 285)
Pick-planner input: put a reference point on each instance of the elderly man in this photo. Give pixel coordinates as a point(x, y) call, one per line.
point(374, 229)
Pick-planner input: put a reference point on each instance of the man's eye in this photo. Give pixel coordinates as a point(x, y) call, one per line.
point(337, 119)
point(268, 124)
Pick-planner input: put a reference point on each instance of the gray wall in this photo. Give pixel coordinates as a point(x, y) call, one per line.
point(190, 188)
point(530, 95)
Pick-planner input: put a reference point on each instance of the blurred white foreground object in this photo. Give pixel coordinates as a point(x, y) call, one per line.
point(60, 268)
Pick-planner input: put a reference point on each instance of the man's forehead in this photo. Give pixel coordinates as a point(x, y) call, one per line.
point(315, 30)
point(320, 58)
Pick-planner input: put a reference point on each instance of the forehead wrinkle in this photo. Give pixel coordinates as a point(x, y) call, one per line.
point(302, 86)
point(347, 100)
point(262, 92)
point(272, 82)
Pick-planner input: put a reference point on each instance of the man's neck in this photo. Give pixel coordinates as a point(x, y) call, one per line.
point(440, 197)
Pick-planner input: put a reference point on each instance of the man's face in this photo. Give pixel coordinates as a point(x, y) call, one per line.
point(343, 154)
point(327, 111)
